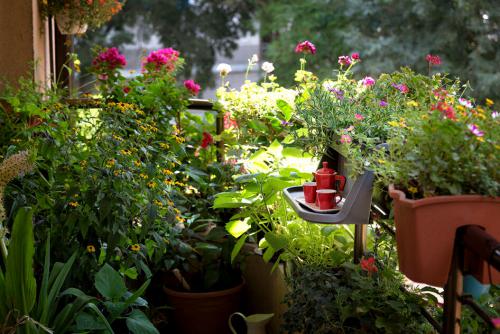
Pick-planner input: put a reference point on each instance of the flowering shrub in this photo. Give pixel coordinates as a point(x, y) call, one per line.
point(164, 59)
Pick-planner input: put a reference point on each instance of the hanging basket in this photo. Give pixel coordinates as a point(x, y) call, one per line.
point(425, 233)
point(68, 25)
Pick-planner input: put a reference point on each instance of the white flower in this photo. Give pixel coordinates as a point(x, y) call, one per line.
point(267, 67)
point(254, 59)
point(224, 69)
point(328, 85)
point(465, 102)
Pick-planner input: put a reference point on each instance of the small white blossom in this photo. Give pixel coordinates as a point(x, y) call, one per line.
point(267, 67)
point(224, 69)
point(254, 59)
point(328, 85)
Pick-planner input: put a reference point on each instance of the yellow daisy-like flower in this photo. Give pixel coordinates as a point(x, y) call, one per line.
point(480, 110)
point(73, 204)
point(412, 103)
point(143, 176)
point(167, 171)
point(381, 161)
point(180, 219)
point(177, 211)
point(169, 182)
point(393, 123)
point(489, 102)
point(152, 185)
point(164, 146)
point(413, 190)
point(169, 202)
point(179, 140)
point(117, 172)
point(90, 249)
point(135, 247)
point(460, 108)
point(139, 112)
point(110, 163)
point(137, 163)
point(115, 137)
point(125, 152)
point(180, 184)
point(158, 203)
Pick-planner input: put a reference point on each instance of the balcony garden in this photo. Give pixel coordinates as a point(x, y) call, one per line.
point(123, 211)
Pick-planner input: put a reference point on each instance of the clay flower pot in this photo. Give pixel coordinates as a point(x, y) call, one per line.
point(425, 233)
point(204, 312)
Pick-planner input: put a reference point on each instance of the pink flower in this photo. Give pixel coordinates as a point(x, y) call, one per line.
point(191, 86)
point(368, 81)
point(496, 323)
point(382, 103)
point(475, 130)
point(207, 140)
point(163, 58)
point(433, 59)
point(355, 56)
point(401, 87)
point(229, 122)
point(103, 77)
point(305, 47)
point(344, 60)
point(465, 102)
point(368, 265)
point(109, 60)
point(345, 139)
point(359, 117)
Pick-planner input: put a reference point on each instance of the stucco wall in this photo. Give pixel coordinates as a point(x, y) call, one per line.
point(23, 42)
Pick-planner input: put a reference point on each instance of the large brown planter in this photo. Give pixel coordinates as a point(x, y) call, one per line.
point(204, 312)
point(425, 233)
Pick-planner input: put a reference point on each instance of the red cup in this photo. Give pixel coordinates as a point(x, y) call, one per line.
point(327, 199)
point(310, 191)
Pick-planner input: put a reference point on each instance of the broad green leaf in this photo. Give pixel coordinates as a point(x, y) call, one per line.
point(275, 148)
point(237, 247)
point(275, 240)
point(237, 227)
point(109, 283)
point(285, 108)
point(138, 323)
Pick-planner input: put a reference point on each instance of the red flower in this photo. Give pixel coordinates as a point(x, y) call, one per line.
point(192, 86)
point(305, 47)
point(229, 122)
point(207, 140)
point(126, 89)
point(368, 265)
point(355, 56)
point(433, 59)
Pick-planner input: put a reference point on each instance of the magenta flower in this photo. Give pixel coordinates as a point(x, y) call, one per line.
point(496, 323)
point(382, 103)
point(192, 86)
point(401, 87)
point(465, 102)
point(355, 56)
point(359, 117)
point(345, 139)
point(475, 130)
point(109, 60)
point(164, 58)
point(433, 59)
point(305, 47)
point(368, 81)
point(344, 60)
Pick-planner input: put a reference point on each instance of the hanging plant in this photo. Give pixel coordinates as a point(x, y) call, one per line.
point(74, 17)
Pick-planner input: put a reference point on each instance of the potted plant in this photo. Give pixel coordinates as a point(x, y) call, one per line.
point(76, 16)
point(442, 165)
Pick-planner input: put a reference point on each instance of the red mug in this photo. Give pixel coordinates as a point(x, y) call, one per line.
point(310, 192)
point(327, 199)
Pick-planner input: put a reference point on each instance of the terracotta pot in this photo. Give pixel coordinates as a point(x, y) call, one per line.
point(425, 233)
point(204, 312)
point(68, 26)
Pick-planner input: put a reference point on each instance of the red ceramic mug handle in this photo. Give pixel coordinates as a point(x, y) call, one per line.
point(342, 181)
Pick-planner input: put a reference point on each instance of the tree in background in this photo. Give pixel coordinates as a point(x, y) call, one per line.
point(198, 29)
point(389, 34)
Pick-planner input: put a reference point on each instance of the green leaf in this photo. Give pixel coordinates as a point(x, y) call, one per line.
point(138, 323)
point(238, 247)
point(275, 240)
point(237, 227)
point(285, 108)
point(20, 284)
point(109, 283)
point(275, 148)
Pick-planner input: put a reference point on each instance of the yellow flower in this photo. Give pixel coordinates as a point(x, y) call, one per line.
point(167, 171)
point(180, 219)
point(393, 123)
point(158, 203)
point(125, 152)
point(460, 108)
point(151, 184)
point(480, 139)
point(381, 161)
point(143, 176)
point(139, 112)
point(481, 110)
point(117, 172)
point(73, 204)
point(110, 163)
point(135, 247)
point(90, 249)
point(412, 103)
point(137, 163)
point(177, 211)
point(179, 140)
point(169, 182)
point(164, 146)
point(169, 202)
point(413, 190)
point(115, 137)
point(424, 117)
point(489, 102)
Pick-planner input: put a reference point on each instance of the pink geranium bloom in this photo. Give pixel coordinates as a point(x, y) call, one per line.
point(305, 47)
point(163, 58)
point(475, 130)
point(355, 56)
point(344, 60)
point(192, 86)
point(345, 139)
point(109, 60)
point(359, 117)
point(368, 81)
point(433, 59)
point(368, 265)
